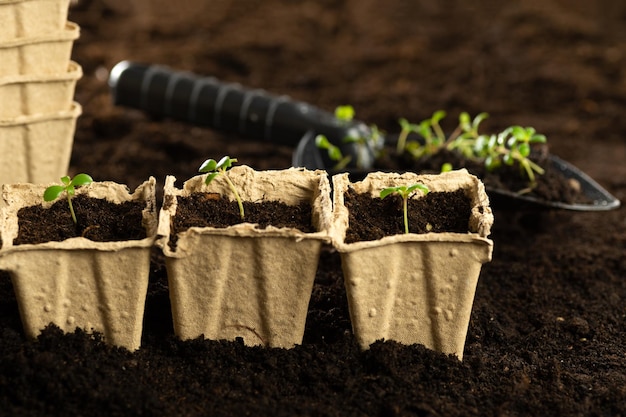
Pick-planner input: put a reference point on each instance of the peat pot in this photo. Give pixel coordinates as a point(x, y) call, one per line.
point(28, 18)
point(27, 95)
point(77, 282)
point(37, 55)
point(37, 148)
point(414, 288)
point(243, 281)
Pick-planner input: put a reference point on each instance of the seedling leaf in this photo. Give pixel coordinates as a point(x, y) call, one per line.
point(404, 191)
point(214, 169)
point(344, 113)
point(387, 191)
point(81, 179)
point(208, 165)
point(53, 192)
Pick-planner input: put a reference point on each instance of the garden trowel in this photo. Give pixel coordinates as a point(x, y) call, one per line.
point(257, 114)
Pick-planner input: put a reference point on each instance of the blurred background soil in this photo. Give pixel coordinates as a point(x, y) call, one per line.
point(548, 328)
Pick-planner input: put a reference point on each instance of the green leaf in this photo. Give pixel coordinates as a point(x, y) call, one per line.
point(524, 149)
point(66, 180)
point(438, 116)
point(464, 121)
point(225, 163)
point(518, 131)
point(511, 142)
point(81, 179)
point(211, 177)
point(491, 163)
point(335, 153)
point(322, 142)
point(424, 129)
point(538, 139)
point(479, 119)
point(388, 191)
point(344, 113)
point(421, 187)
point(353, 138)
point(208, 166)
point(53, 192)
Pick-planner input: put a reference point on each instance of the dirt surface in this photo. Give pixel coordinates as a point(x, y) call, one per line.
point(548, 329)
point(96, 219)
point(374, 218)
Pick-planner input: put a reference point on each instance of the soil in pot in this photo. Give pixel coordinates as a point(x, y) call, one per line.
point(435, 212)
point(97, 219)
point(212, 210)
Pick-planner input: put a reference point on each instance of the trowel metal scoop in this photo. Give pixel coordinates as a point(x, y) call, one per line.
point(256, 114)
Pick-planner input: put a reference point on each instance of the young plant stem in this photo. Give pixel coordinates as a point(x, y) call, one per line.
point(215, 168)
point(405, 208)
point(234, 190)
point(69, 187)
point(69, 202)
point(404, 191)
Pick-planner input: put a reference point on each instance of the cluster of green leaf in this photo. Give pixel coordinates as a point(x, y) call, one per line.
point(509, 147)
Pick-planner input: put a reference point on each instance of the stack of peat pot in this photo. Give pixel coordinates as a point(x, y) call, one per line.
point(37, 83)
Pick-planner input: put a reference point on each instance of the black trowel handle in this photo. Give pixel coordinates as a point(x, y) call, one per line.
point(205, 101)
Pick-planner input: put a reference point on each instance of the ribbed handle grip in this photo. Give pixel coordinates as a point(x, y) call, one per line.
point(205, 101)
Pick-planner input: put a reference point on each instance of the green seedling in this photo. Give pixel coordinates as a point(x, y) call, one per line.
point(406, 129)
point(344, 113)
point(512, 145)
point(334, 153)
point(432, 133)
point(446, 167)
point(215, 168)
point(69, 186)
point(405, 192)
point(372, 141)
point(508, 147)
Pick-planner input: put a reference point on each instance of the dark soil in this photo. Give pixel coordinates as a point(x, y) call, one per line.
point(547, 334)
point(212, 210)
point(96, 219)
point(374, 218)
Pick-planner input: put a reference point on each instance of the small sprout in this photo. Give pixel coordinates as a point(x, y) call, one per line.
point(432, 133)
point(367, 140)
point(446, 167)
point(69, 186)
point(406, 129)
point(334, 153)
point(405, 192)
point(215, 168)
point(344, 113)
